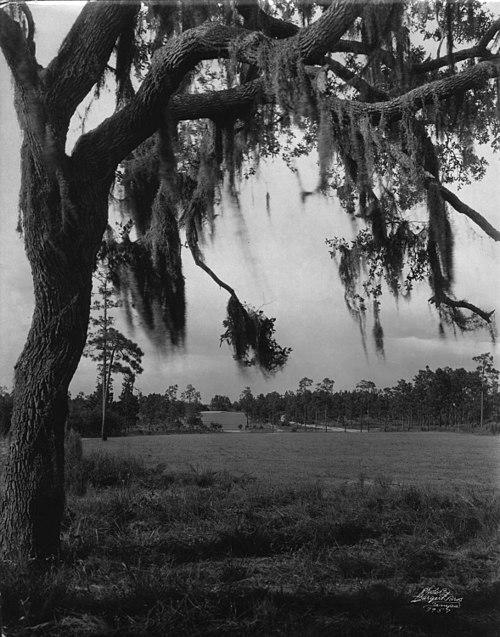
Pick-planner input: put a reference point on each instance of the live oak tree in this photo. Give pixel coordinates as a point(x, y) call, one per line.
point(392, 95)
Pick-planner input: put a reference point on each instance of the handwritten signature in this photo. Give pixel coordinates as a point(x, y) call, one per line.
point(437, 600)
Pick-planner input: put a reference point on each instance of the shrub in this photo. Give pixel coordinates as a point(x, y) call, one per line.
point(89, 423)
point(101, 470)
point(98, 470)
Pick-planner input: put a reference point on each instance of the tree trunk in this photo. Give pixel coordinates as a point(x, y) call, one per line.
point(106, 375)
point(33, 498)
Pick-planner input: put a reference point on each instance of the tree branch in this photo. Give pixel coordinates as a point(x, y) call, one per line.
point(459, 56)
point(489, 34)
point(360, 48)
point(257, 19)
point(454, 201)
point(18, 52)
point(192, 241)
point(108, 144)
point(367, 92)
point(473, 215)
point(83, 56)
point(115, 138)
point(319, 38)
point(478, 50)
point(219, 104)
point(393, 110)
point(444, 299)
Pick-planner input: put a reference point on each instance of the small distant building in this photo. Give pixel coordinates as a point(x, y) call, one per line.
point(228, 420)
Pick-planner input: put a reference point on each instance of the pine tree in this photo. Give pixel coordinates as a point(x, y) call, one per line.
point(128, 405)
point(489, 379)
point(113, 352)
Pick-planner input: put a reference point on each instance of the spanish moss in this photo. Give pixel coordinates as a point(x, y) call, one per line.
point(250, 334)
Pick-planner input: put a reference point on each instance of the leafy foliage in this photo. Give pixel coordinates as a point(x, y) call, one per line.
point(250, 333)
point(382, 164)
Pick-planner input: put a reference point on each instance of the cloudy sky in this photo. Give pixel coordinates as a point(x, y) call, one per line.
point(277, 261)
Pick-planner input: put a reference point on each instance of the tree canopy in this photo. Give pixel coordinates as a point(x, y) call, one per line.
point(395, 97)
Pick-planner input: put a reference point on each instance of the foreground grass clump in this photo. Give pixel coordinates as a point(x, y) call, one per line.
point(201, 552)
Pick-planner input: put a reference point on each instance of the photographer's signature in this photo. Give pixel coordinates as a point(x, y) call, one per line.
point(437, 600)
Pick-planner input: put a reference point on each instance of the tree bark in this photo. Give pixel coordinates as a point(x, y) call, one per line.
point(33, 499)
point(64, 214)
point(62, 256)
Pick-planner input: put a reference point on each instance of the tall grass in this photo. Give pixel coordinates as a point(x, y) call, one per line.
point(201, 552)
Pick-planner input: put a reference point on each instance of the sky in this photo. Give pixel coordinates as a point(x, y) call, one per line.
point(276, 260)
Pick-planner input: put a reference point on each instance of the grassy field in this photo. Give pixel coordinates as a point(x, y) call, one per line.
point(437, 459)
point(294, 535)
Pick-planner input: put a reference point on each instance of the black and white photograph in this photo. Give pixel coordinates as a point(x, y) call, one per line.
point(249, 276)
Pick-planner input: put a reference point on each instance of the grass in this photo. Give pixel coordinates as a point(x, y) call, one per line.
point(442, 460)
point(191, 551)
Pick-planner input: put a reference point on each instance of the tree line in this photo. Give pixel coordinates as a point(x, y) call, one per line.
point(444, 398)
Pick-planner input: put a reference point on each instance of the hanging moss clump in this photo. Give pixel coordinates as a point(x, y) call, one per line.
point(378, 332)
point(153, 287)
point(149, 272)
point(250, 334)
point(140, 180)
point(398, 259)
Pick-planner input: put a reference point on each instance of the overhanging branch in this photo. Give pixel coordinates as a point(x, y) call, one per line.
point(216, 104)
point(256, 18)
point(368, 92)
point(454, 201)
point(458, 56)
point(444, 299)
point(83, 56)
point(469, 212)
point(414, 100)
point(18, 52)
point(192, 242)
point(479, 50)
point(114, 139)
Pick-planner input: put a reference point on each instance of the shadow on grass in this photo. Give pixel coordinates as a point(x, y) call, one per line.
point(150, 609)
point(202, 553)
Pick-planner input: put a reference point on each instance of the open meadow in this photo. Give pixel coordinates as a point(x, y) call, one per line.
point(314, 535)
point(437, 459)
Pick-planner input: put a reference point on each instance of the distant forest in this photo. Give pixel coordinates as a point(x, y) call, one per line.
point(444, 398)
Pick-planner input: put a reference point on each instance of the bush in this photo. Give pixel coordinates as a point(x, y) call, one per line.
point(195, 423)
point(88, 423)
